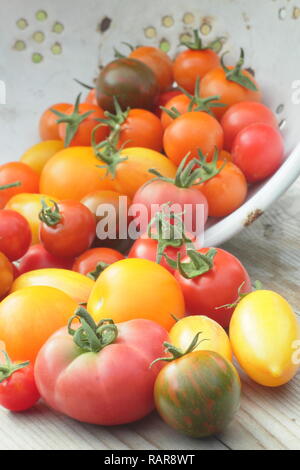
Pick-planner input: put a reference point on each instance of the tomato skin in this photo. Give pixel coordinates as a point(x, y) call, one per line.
point(91, 97)
point(241, 115)
point(19, 392)
point(38, 155)
point(191, 64)
point(13, 172)
point(226, 191)
point(37, 257)
point(115, 384)
point(191, 132)
point(218, 287)
point(131, 81)
point(258, 150)
point(180, 102)
point(48, 126)
point(88, 261)
point(213, 337)
point(15, 234)
point(145, 290)
point(216, 83)
point(163, 99)
point(81, 171)
point(158, 61)
point(73, 234)
point(29, 316)
point(198, 394)
point(6, 275)
point(263, 330)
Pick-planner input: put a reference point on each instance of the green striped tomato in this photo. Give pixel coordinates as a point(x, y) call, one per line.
point(198, 394)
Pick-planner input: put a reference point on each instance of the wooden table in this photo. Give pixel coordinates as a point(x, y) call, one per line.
point(268, 418)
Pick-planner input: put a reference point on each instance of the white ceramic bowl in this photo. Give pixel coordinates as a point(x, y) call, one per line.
point(44, 45)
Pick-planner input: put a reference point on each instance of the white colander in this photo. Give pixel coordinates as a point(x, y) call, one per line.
point(45, 44)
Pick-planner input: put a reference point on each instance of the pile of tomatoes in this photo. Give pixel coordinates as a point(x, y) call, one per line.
point(104, 330)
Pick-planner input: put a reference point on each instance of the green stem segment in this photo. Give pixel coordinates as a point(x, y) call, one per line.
point(176, 353)
point(100, 267)
point(197, 44)
point(50, 215)
point(8, 368)
point(10, 185)
point(257, 286)
point(199, 263)
point(237, 75)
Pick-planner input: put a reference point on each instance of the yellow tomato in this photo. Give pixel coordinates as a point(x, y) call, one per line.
point(30, 205)
point(213, 337)
point(38, 155)
point(73, 173)
point(74, 284)
point(263, 332)
point(136, 288)
point(29, 316)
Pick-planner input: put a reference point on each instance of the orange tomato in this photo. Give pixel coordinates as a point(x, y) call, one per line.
point(224, 155)
point(180, 102)
point(48, 126)
point(158, 61)
point(38, 155)
point(17, 172)
point(73, 173)
point(226, 191)
point(91, 97)
point(6, 275)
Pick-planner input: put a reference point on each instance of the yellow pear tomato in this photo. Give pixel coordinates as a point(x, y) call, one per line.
point(263, 334)
point(38, 155)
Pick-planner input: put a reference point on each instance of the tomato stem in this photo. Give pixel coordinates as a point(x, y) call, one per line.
point(50, 215)
point(236, 74)
point(10, 185)
point(7, 369)
point(199, 263)
point(176, 353)
point(100, 267)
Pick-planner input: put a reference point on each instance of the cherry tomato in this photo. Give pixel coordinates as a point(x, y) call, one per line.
point(15, 234)
point(226, 191)
point(131, 81)
point(211, 284)
point(92, 262)
point(38, 155)
point(241, 115)
point(48, 126)
point(67, 229)
point(18, 391)
point(180, 102)
point(91, 97)
point(6, 275)
point(225, 156)
point(37, 257)
point(192, 132)
point(258, 151)
point(17, 172)
point(158, 61)
point(164, 98)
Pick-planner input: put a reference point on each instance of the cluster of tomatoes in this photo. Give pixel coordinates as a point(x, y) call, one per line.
point(97, 327)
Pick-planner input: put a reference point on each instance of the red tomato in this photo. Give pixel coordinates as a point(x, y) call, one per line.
point(241, 115)
point(18, 390)
point(110, 375)
point(48, 126)
point(6, 276)
point(192, 132)
point(67, 229)
point(17, 172)
point(258, 151)
point(223, 278)
point(164, 98)
point(94, 261)
point(15, 234)
point(37, 257)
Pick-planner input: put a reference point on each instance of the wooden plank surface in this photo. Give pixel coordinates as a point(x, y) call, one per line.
point(268, 418)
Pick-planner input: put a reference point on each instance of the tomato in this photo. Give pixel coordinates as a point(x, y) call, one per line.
point(18, 391)
point(81, 174)
point(38, 155)
point(131, 81)
point(6, 275)
point(48, 125)
point(263, 332)
point(241, 115)
point(67, 228)
point(225, 156)
point(191, 132)
point(136, 288)
point(226, 191)
point(75, 285)
point(110, 375)
point(213, 337)
point(15, 234)
point(258, 150)
point(29, 316)
point(232, 84)
point(194, 63)
point(16, 172)
point(198, 394)
point(37, 257)
point(29, 206)
point(94, 261)
point(164, 98)
point(91, 97)
point(158, 61)
point(212, 283)
point(179, 102)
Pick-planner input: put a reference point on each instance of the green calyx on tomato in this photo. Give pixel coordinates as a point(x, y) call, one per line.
point(50, 215)
point(256, 286)
point(107, 151)
point(176, 353)
point(72, 120)
point(8, 368)
point(10, 185)
point(199, 263)
point(115, 121)
point(89, 336)
point(236, 74)
point(197, 44)
point(98, 270)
